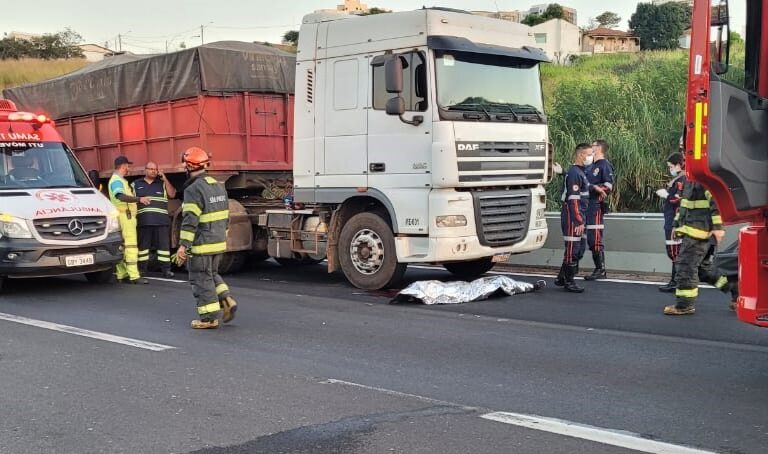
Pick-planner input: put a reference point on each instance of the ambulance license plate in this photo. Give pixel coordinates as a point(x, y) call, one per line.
point(78, 260)
point(500, 258)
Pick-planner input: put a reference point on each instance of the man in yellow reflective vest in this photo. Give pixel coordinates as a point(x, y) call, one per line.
point(123, 198)
point(697, 222)
point(203, 239)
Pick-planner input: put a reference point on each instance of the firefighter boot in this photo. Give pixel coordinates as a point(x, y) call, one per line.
point(205, 324)
point(560, 280)
point(679, 309)
point(229, 306)
point(670, 286)
point(599, 271)
point(570, 274)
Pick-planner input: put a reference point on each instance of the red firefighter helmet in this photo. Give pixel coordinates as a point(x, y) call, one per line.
point(195, 158)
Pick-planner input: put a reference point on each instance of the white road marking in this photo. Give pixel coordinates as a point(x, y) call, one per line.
point(86, 333)
point(621, 439)
point(333, 381)
point(162, 279)
point(604, 436)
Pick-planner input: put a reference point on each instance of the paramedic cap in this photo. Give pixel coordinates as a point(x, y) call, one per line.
point(120, 160)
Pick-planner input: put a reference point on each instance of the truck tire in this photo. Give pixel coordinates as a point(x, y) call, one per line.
point(2, 281)
point(232, 262)
point(367, 253)
point(470, 270)
point(100, 277)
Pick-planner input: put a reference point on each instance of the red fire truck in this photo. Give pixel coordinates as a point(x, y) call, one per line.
point(726, 136)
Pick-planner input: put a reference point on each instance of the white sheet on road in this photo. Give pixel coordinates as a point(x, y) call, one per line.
point(437, 292)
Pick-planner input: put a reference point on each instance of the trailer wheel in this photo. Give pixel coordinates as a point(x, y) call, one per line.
point(367, 253)
point(232, 262)
point(100, 277)
point(470, 270)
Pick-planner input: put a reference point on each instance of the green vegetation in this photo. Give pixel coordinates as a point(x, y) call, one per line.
point(54, 46)
point(634, 101)
point(28, 70)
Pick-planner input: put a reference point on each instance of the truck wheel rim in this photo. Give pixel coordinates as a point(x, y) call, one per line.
point(367, 252)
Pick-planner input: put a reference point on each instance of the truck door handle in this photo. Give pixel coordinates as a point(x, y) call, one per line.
point(377, 167)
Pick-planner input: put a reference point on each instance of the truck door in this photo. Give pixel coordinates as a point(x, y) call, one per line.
point(399, 153)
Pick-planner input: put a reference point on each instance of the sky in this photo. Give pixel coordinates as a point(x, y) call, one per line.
point(146, 26)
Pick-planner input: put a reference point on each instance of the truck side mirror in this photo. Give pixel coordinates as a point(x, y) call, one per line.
point(396, 106)
point(720, 18)
point(393, 74)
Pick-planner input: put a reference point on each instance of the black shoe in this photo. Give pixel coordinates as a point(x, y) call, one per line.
point(599, 271)
point(560, 279)
point(669, 287)
point(142, 280)
point(168, 274)
point(570, 284)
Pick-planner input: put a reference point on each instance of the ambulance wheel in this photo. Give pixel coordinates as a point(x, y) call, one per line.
point(367, 253)
point(232, 262)
point(470, 270)
point(100, 277)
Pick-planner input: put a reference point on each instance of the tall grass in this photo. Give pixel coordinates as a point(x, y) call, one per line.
point(634, 101)
point(27, 70)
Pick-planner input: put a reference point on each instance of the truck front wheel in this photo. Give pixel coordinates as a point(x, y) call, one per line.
point(367, 253)
point(471, 269)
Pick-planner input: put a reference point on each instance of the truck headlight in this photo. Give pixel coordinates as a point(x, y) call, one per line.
point(453, 220)
point(113, 222)
point(14, 227)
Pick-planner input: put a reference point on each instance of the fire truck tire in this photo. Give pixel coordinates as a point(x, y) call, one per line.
point(470, 270)
point(232, 262)
point(367, 253)
point(100, 277)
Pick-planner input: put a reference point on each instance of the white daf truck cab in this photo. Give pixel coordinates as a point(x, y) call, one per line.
point(53, 221)
point(420, 137)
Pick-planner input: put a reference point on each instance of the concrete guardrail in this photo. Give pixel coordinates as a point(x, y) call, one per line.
point(634, 242)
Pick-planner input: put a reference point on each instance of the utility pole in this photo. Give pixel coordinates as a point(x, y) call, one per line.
point(166, 46)
point(202, 40)
point(120, 43)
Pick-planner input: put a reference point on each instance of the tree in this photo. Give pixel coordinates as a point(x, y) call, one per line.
point(376, 10)
point(735, 38)
point(660, 26)
point(63, 44)
point(291, 37)
point(182, 45)
point(608, 19)
point(553, 11)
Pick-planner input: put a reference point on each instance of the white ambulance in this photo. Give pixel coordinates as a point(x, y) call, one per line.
point(53, 221)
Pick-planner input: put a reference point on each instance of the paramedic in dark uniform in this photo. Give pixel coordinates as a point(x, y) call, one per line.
point(672, 195)
point(573, 218)
point(600, 177)
point(153, 220)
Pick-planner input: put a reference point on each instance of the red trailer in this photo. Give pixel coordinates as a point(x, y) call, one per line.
point(233, 99)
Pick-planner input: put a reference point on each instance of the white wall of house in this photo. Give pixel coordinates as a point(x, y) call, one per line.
point(559, 39)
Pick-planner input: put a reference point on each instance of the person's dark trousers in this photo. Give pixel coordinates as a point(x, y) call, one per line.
point(155, 238)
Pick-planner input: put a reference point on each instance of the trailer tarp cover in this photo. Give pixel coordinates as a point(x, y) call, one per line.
point(132, 80)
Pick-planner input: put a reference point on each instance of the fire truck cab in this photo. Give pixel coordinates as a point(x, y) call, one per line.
point(53, 221)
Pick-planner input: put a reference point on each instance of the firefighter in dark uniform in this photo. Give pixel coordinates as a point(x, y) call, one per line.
point(672, 195)
point(600, 177)
point(203, 240)
point(573, 218)
point(698, 223)
point(153, 221)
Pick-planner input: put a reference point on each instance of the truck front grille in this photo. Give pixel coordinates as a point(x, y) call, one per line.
point(71, 229)
point(501, 162)
point(502, 217)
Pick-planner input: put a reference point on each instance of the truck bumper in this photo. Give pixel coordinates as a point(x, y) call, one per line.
point(455, 244)
point(21, 258)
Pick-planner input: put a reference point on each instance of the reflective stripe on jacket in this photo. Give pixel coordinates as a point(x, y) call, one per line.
point(698, 215)
point(119, 185)
point(205, 216)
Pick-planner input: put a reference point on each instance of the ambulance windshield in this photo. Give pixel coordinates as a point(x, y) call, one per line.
point(35, 165)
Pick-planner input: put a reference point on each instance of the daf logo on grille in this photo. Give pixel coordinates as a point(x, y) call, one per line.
point(76, 227)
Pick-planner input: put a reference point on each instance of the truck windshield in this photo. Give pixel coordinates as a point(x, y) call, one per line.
point(25, 165)
point(502, 87)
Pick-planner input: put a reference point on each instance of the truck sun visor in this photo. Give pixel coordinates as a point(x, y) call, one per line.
point(465, 45)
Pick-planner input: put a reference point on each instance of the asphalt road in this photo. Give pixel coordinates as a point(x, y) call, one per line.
point(312, 365)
